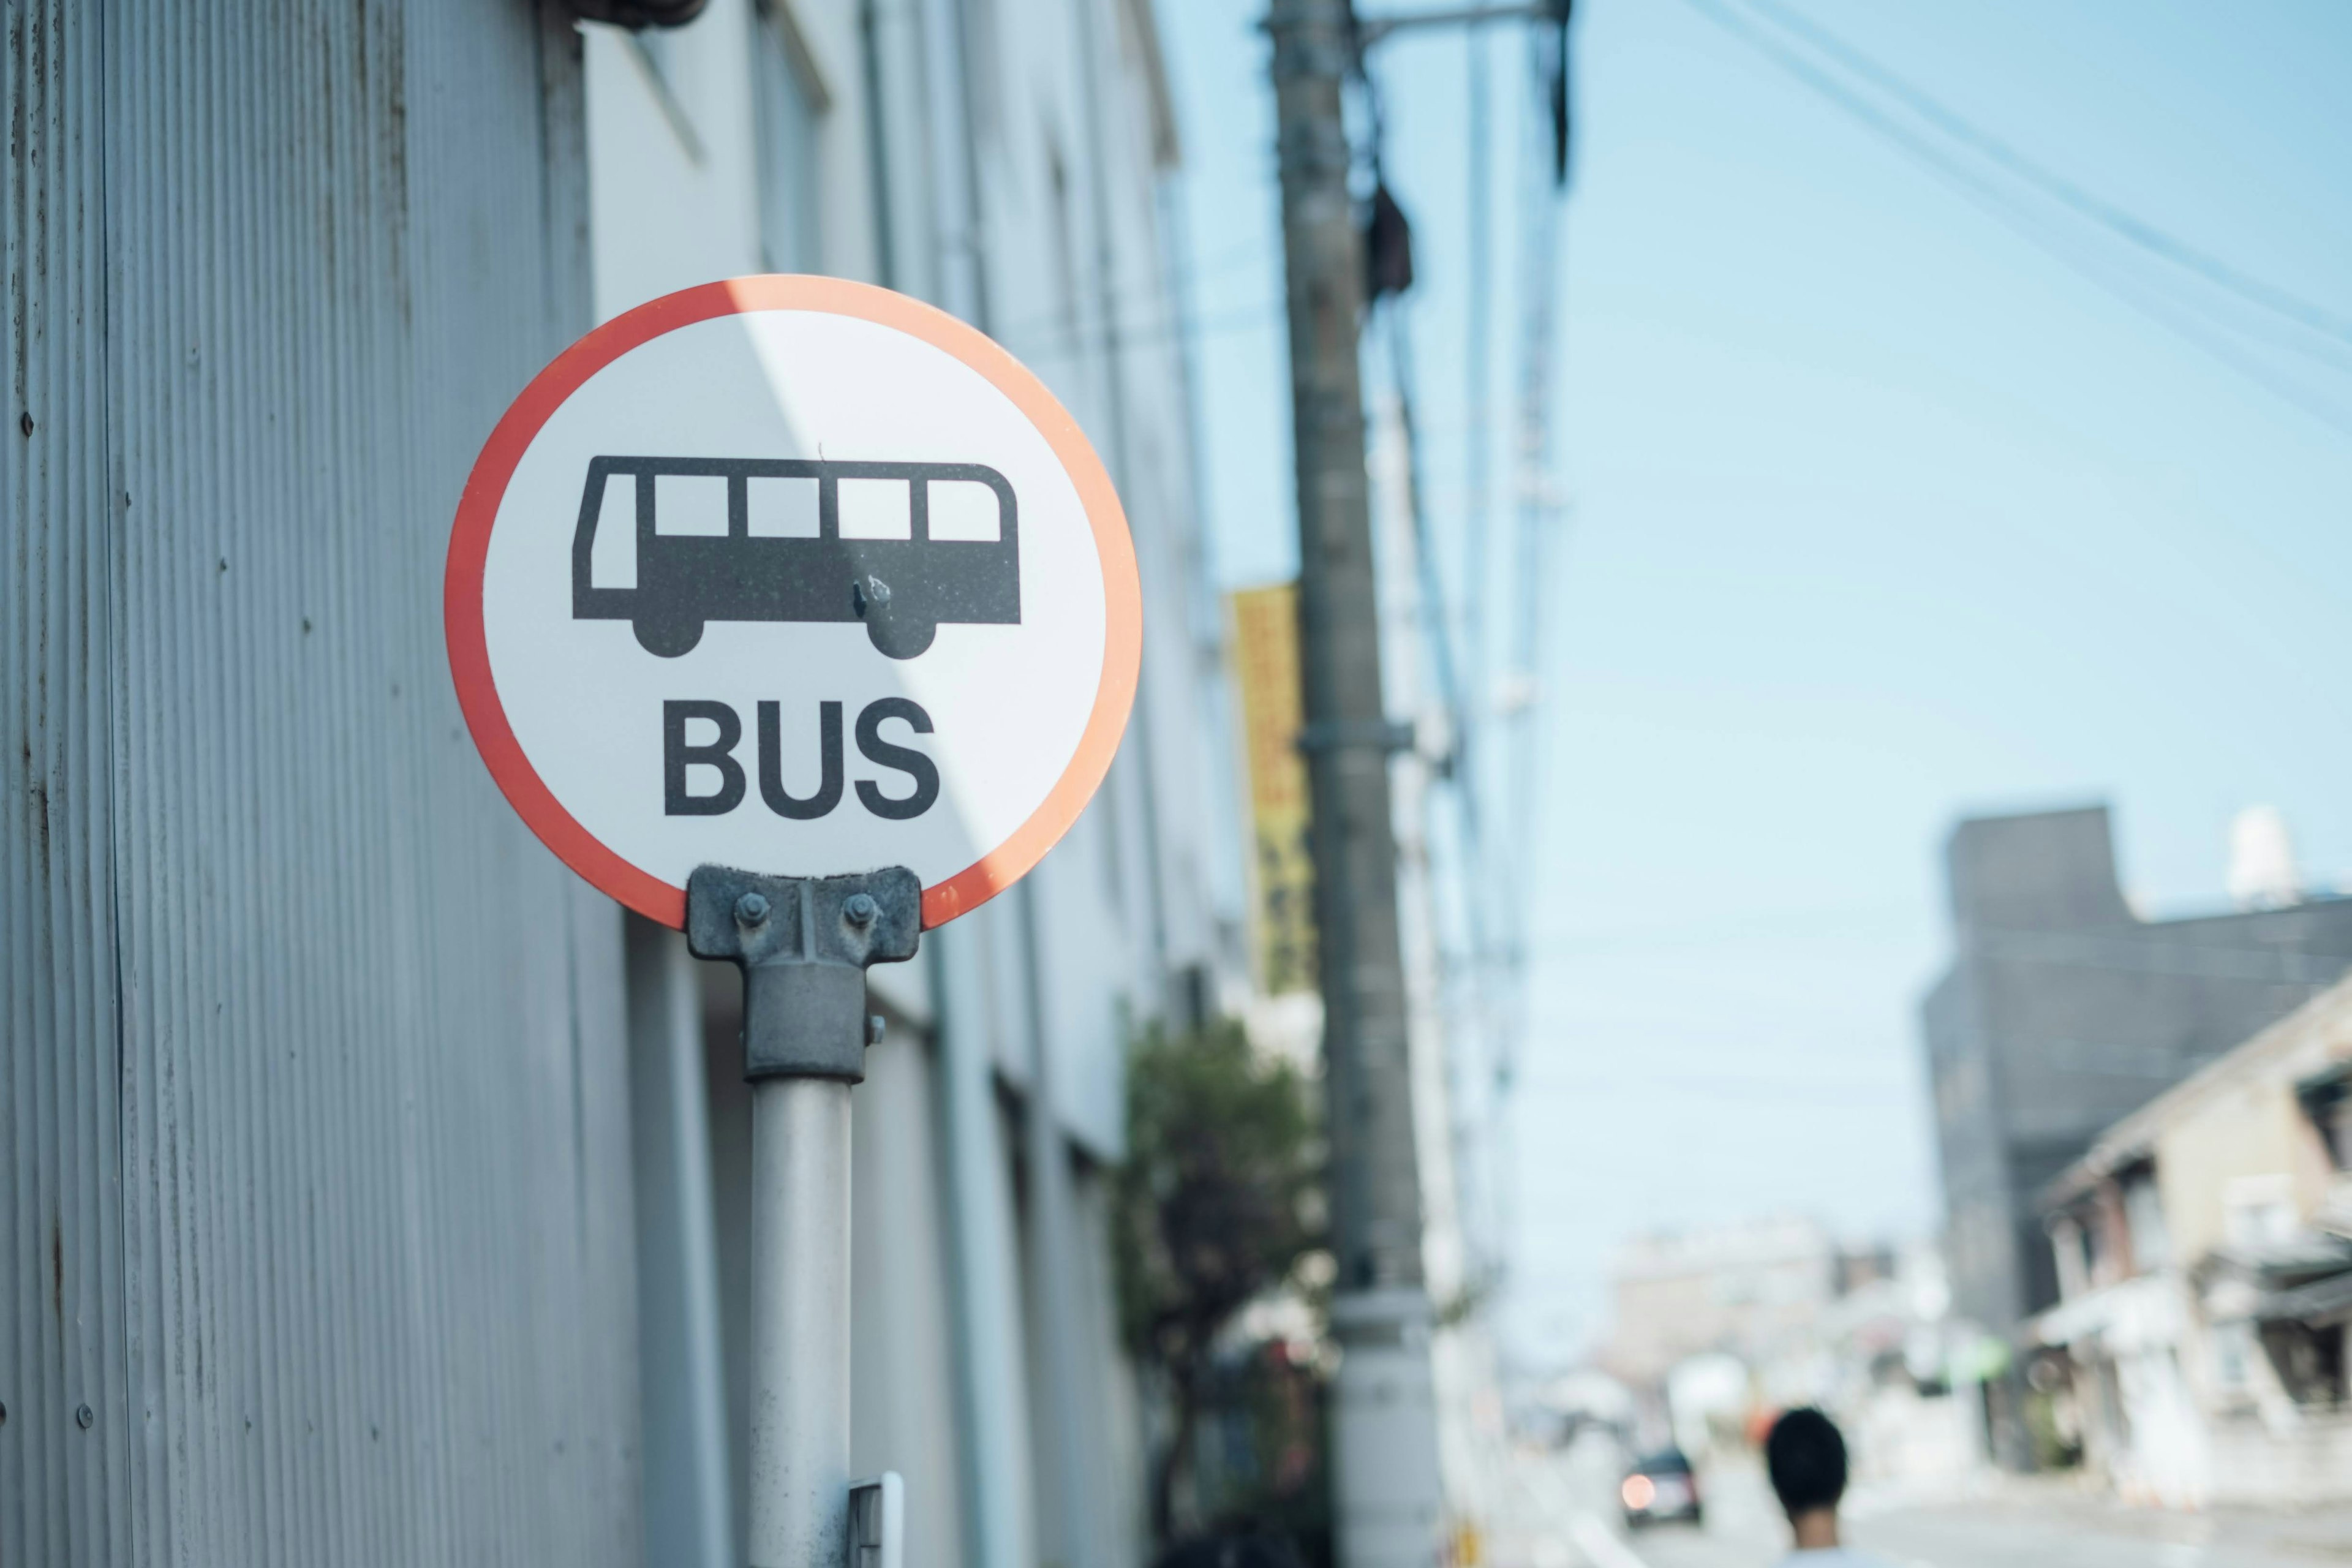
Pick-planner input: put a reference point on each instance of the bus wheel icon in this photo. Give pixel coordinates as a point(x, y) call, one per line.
point(894, 632)
point(666, 636)
point(898, 637)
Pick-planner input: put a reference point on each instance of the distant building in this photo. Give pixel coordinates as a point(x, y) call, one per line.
point(1745, 1290)
point(2203, 1250)
point(1713, 1327)
point(2063, 1011)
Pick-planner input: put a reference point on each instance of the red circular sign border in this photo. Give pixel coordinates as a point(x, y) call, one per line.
point(477, 508)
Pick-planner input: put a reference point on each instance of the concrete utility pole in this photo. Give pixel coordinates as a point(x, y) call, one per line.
point(1388, 1497)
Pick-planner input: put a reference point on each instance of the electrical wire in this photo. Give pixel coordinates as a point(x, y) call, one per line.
point(1465, 969)
point(2156, 242)
point(2289, 323)
point(1436, 624)
point(1490, 1239)
point(1509, 880)
point(1538, 290)
point(2004, 208)
point(1068, 340)
point(1152, 289)
point(1477, 375)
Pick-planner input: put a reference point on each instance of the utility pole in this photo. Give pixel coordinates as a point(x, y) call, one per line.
point(1387, 1492)
point(1388, 1497)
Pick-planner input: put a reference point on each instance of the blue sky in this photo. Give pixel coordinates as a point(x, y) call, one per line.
point(1878, 514)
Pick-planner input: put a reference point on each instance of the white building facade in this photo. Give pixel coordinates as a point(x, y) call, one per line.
point(2203, 1251)
point(1008, 160)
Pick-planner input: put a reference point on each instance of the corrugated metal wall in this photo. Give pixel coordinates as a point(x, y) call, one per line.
point(313, 1099)
point(63, 1490)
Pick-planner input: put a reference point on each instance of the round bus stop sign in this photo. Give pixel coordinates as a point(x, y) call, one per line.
point(795, 575)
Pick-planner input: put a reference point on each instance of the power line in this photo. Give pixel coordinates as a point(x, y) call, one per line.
point(2201, 335)
point(1437, 618)
point(1461, 976)
point(1537, 211)
point(1069, 340)
point(1157, 288)
point(1488, 1184)
point(2004, 208)
point(2290, 318)
point(1538, 290)
point(1476, 373)
point(1482, 978)
point(2155, 241)
point(1437, 625)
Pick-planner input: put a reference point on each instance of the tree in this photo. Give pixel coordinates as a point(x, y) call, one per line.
point(1218, 1202)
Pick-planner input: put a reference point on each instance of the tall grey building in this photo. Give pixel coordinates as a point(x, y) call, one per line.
point(2063, 1010)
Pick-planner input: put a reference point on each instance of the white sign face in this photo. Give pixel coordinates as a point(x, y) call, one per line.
point(795, 575)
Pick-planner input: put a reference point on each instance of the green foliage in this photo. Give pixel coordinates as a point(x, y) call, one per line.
point(1220, 1194)
point(1218, 1202)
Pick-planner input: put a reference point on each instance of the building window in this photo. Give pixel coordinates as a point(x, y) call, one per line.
point(2233, 1345)
point(2151, 1244)
point(790, 104)
point(2327, 1100)
point(2072, 1254)
point(2258, 1211)
point(2310, 1362)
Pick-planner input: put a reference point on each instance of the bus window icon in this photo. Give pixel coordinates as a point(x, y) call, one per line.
point(902, 579)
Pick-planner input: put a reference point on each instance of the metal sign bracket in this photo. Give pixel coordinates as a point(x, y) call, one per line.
point(803, 944)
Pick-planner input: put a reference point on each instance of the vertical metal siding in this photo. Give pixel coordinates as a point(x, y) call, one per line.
point(371, 1298)
point(63, 1487)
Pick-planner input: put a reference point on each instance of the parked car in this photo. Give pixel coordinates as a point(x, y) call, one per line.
point(1661, 1487)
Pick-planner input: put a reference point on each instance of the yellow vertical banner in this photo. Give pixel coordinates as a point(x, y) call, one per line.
point(1265, 669)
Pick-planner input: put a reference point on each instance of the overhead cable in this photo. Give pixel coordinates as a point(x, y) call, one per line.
point(2140, 231)
point(2005, 208)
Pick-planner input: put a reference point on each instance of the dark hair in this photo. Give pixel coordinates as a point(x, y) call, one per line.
point(1807, 1461)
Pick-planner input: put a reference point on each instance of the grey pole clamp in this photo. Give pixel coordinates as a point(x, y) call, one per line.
point(803, 943)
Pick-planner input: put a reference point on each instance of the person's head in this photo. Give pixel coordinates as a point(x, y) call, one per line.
point(1806, 1458)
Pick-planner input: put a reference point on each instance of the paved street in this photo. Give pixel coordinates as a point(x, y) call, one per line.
point(1571, 1520)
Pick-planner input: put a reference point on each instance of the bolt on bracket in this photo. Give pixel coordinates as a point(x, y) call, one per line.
point(803, 944)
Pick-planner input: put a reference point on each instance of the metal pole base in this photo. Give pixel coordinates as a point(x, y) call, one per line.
point(1389, 1495)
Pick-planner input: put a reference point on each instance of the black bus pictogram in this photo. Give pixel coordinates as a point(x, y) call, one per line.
point(901, 588)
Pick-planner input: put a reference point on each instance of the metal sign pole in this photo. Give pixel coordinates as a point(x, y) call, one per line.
point(803, 944)
point(798, 1465)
